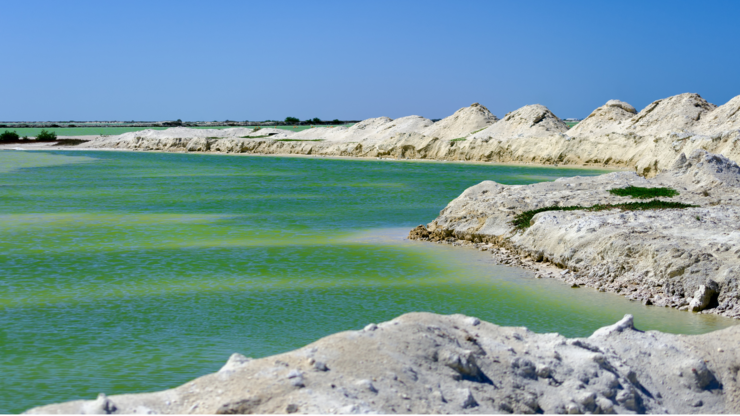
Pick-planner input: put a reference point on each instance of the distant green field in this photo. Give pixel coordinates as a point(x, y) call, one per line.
point(571, 123)
point(112, 131)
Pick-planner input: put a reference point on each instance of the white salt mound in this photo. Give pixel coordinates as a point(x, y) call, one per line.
point(529, 121)
point(370, 131)
point(676, 113)
point(721, 119)
point(463, 122)
point(186, 132)
point(614, 116)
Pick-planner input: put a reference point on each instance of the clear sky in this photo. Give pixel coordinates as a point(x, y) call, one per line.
point(257, 60)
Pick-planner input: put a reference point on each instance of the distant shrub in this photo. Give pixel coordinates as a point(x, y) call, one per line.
point(644, 193)
point(9, 136)
point(292, 120)
point(46, 136)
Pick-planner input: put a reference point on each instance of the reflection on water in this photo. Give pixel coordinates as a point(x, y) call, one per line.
point(137, 272)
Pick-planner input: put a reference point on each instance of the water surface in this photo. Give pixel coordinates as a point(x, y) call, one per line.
point(128, 272)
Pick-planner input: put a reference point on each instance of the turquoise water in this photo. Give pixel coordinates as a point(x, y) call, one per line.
point(129, 272)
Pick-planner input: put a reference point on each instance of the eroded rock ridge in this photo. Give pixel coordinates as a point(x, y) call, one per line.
point(686, 258)
point(426, 363)
point(614, 135)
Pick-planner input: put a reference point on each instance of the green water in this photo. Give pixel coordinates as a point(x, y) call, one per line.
point(129, 272)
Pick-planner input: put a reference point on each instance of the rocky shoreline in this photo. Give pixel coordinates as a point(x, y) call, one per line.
point(427, 363)
point(615, 135)
point(506, 255)
point(682, 258)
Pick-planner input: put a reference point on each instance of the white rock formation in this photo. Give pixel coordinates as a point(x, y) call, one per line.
point(465, 121)
point(677, 113)
point(368, 132)
point(722, 119)
point(529, 121)
point(426, 363)
point(612, 136)
point(612, 117)
point(662, 257)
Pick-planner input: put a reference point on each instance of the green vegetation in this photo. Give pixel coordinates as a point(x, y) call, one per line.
point(292, 120)
point(299, 140)
point(69, 142)
point(258, 137)
point(46, 136)
point(459, 139)
point(9, 136)
point(480, 130)
point(523, 220)
point(644, 193)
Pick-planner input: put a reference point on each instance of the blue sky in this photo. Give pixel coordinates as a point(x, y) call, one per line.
point(250, 60)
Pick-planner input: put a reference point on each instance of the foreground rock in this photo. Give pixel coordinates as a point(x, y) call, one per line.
point(426, 363)
point(685, 258)
point(614, 135)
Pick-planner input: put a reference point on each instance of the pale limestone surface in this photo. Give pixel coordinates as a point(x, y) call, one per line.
point(529, 121)
point(613, 136)
point(427, 363)
point(662, 257)
point(721, 119)
point(671, 114)
point(186, 132)
point(368, 132)
point(612, 117)
point(462, 123)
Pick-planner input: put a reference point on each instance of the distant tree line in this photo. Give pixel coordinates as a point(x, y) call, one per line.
point(289, 121)
point(13, 137)
point(315, 120)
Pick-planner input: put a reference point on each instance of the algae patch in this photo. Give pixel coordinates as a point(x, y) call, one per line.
point(13, 160)
point(523, 221)
point(644, 193)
